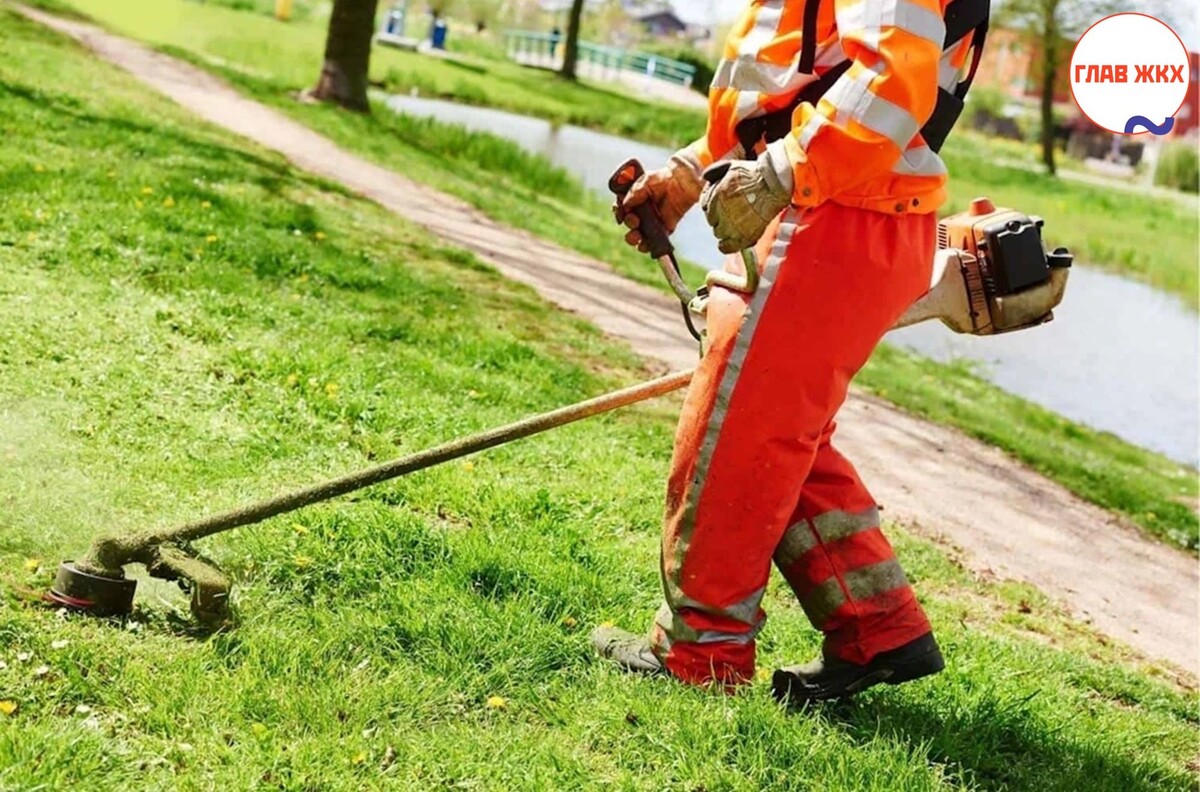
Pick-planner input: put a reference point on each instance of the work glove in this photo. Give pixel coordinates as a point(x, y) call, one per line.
point(752, 194)
point(672, 190)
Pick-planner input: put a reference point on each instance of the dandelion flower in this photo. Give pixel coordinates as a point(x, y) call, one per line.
point(569, 621)
point(168, 202)
point(210, 238)
point(497, 703)
point(468, 466)
point(360, 757)
point(138, 203)
point(8, 706)
point(292, 379)
point(39, 167)
point(32, 564)
point(331, 389)
point(259, 729)
point(319, 235)
point(206, 204)
point(147, 191)
point(302, 561)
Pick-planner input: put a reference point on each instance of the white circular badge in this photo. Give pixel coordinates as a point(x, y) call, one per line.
point(1130, 74)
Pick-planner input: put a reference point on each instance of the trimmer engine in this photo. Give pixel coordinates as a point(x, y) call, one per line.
point(992, 273)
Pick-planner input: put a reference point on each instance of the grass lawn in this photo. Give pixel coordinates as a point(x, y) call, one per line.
point(526, 192)
point(1147, 238)
point(189, 323)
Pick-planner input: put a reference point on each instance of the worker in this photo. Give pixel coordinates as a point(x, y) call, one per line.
point(822, 110)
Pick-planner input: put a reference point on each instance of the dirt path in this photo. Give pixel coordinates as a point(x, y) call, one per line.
point(1005, 518)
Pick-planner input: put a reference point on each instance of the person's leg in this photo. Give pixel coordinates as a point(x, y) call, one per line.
point(775, 372)
point(841, 566)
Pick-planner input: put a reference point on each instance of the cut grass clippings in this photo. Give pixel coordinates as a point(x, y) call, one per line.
point(189, 323)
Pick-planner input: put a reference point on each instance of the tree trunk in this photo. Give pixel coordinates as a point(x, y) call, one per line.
point(571, 50)
point(1050, 55)
point(343, 77)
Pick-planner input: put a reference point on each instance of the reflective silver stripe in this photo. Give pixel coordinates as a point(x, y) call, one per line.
point(831, 526)
point(920, 161)
point(810, 129)
point(851, 91)
point(867, 21)
point(948, 73)
point(887, 119)
point(766, 21)
point(863, 583)
point(671, 589)
point(676, 629)
point(744, 610)
point(747, 105)
point(822, 601)
point(875, 579)
point(745, 73)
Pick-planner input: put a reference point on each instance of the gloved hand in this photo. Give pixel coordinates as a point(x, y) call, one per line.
point(672, 189)
point(748, 198)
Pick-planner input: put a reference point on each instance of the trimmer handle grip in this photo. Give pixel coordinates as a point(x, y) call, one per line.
point(650, 225)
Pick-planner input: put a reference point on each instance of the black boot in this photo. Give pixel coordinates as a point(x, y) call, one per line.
point(833, 678)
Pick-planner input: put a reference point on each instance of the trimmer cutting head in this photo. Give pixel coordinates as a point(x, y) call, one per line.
point(97, 595)
point(98, 586)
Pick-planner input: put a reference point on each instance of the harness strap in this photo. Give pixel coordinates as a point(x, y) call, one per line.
point(961, 17)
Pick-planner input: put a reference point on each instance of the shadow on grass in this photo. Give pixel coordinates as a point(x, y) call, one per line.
point(997, 744)
point(274, 173)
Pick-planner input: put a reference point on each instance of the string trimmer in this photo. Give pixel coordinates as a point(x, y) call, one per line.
point(991, 275)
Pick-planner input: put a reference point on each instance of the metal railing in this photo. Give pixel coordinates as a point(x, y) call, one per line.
point(546, 49)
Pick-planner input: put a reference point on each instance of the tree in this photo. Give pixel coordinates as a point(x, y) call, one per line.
point(1053, 25)
point(571, 48)
point(483, 13)
point(343, 79)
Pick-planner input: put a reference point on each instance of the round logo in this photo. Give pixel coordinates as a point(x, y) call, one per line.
point(1130, 74)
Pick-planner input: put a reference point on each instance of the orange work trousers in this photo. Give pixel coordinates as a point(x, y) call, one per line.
point(754, 477)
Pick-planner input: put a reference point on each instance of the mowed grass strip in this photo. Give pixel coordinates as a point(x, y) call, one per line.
point(188, 323)
point(525, 191)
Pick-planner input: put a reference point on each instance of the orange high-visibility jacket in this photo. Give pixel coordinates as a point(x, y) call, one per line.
point(860, 145)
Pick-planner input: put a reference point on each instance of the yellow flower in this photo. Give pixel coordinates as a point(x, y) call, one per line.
point(210, 238)
point(32, 564)
point(292, 379)
point(302, 561)
point(299, 529)
point(39, 168)
point(138, 203)
point(206, 204)
point(569, 621)
point(331, 389)
point(112, 174)
point(468, 466)
point(762, 675)
point(259, 729)
point(168, 202)
point(319, 235)
point(496, 703)
point(360, 757)
point(8, 706)
point(147, 191)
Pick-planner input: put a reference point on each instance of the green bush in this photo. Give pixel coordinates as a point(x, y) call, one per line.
point(1179, 167)
point(689, 55)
